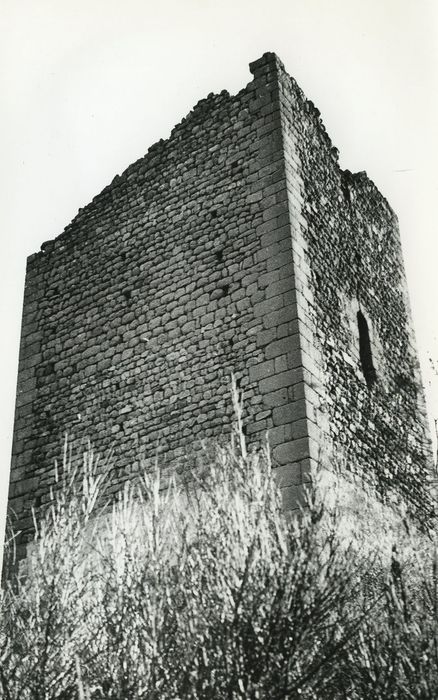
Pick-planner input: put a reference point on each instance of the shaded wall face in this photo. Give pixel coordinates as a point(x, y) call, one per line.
point(177, 274)
point(363, 378)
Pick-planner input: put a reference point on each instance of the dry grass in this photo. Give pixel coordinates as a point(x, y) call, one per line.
point(210, 591)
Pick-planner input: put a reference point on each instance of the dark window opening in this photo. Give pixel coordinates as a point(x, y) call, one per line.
point(219, 255)
point(366, 356)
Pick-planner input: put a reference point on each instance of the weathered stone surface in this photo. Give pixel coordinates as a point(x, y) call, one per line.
point(293, 451)
point(236, 245)
point(293, 497)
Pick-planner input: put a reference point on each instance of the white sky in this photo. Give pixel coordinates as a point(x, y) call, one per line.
point(88, 85)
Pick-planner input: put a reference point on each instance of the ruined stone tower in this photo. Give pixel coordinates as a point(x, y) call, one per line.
point(236, 245)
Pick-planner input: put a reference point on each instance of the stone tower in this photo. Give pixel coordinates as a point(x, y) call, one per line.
point(236, 245)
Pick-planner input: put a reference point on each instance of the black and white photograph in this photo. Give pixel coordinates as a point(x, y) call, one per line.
point(218, 303)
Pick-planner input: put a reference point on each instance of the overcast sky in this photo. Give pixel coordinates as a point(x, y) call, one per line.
point(88, 85)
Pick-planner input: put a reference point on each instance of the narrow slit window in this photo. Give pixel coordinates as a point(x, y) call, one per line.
point(365, 353)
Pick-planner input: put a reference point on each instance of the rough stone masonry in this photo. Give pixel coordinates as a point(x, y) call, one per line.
point(236, 245)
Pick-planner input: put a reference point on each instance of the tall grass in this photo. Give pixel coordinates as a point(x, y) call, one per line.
point(208, 590)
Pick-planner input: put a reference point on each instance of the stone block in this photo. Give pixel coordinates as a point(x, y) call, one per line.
point(281, 316)
point(26, 386)
point(30, 349)
point(280, 260)
point(276, 436)
point(293, 497)
point(276, 398)
point(278, 234)
point(300, 428)
point(276, 211)
point(281, 364)
point(260, 371)
point(25, 486)
point(308, 468)
point(278, 381)
point(288, 475)
point(289, 413)
point(292, 451)
point(23, 399)
point(268, 278)
point(285, 284)
point(282, 346)
point(274, 304)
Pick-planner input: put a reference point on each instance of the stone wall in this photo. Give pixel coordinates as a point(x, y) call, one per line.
point(365, 398)
point(236, 245)
point(177, 274)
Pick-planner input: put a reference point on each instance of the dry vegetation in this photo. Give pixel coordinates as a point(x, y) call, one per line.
point(210, 591)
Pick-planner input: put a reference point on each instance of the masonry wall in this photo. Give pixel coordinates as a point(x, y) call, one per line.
point(348, 261)
point(237, 245)
point(177, 274)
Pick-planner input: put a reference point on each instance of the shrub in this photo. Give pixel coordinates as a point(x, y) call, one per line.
point(208, 590)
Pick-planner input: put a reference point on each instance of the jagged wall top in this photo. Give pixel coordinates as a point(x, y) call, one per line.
point(268, 63)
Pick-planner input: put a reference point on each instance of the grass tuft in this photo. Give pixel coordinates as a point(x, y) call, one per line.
point(208, 590)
